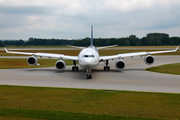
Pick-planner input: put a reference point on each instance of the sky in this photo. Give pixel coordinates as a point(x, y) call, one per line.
point(21, 19)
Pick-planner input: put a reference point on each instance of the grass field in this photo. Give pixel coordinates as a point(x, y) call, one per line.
point(59, 103)
point(7, 63)
point(168, 69)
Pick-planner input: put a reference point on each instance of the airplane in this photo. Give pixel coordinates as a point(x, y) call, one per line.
point(89, 58)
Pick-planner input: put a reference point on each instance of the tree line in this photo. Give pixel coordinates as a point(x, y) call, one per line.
point(151, 39)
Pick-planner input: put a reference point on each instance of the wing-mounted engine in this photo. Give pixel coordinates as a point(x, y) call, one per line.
point(149, 59)
point(60, 65)
point(32, 60)
point(120, 64)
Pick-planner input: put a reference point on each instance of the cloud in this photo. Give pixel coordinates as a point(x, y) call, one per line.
point(136, 5)
point(72, 18)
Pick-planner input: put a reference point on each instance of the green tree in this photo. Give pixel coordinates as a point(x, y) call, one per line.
point(1, 44)
point(127, 43)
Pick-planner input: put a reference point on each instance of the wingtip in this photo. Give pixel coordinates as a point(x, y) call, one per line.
point(5, 49)
point(177, 48)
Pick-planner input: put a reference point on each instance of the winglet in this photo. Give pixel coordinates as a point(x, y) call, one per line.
point(6, 50)
point(177, 48)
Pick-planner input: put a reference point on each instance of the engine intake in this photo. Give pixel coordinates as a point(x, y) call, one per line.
point(149, 59)
point(32, 60)
point(60, 65)
point(120, 64)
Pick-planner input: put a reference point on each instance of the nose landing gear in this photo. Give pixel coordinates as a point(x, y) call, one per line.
point(88, 75)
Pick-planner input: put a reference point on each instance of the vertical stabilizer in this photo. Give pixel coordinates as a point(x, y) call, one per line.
point(91, 35)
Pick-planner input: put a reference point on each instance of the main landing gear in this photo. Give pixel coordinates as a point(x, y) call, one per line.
point(106, 67)
point(75, 68)
point(88, 75)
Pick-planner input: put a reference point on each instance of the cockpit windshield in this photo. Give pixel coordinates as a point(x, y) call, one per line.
point(88, 56)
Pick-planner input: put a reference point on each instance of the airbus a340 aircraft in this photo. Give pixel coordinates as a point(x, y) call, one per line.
point(89, 58)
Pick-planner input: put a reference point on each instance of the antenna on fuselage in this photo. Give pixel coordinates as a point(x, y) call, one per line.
point(91, 35)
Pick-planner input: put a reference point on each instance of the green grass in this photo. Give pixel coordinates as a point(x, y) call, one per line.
point(8, 63)
point(55, 103)
point(168, 69)
point(57, 115)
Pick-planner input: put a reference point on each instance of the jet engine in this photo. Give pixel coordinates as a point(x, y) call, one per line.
point(120, 64)
point(149, 59)
point(60, 65)
point(32, 60)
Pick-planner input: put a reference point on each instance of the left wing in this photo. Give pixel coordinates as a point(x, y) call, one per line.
point(102, 58)
point(50, 55)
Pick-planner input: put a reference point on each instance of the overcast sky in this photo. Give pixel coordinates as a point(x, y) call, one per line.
point(21, 19)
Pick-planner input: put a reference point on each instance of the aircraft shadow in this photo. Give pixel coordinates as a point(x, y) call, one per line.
point(84, 71)
point(79, 75)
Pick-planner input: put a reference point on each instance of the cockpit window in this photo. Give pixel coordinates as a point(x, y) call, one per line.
point(88, 56)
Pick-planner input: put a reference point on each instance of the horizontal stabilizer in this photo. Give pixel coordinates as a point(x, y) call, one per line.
point(75, 46)
point(106, 46)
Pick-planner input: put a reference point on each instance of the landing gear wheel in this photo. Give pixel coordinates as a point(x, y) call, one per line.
point(88, 76)
point(106, 67)
point(75, 67)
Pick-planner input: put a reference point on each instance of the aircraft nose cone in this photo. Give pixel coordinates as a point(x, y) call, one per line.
point(89, 62)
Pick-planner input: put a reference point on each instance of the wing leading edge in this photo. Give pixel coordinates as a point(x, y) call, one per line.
point(102, 58)
point(50, 55)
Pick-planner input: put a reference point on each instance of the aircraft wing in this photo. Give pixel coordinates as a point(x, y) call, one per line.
point(102, 58)
point(50, 55)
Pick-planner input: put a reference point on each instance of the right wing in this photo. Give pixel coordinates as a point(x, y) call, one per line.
point(50, 55)
point(102, 58)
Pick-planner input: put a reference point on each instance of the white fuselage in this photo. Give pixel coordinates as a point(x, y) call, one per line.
point(89, 58)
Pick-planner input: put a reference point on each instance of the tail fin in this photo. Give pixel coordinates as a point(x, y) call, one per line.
point(91, 35)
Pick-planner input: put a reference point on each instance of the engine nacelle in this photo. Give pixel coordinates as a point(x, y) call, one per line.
point(149, 59)
point(120, 64)
point(32, 60)
point(60, 65)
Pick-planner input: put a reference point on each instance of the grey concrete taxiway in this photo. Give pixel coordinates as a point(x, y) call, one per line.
point(133, 77)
